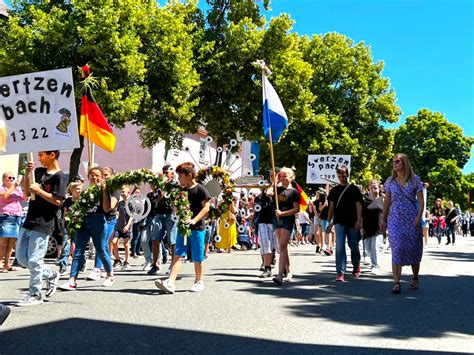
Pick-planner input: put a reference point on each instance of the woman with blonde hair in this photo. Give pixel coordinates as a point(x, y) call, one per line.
point(284, 221)
point(402, 213)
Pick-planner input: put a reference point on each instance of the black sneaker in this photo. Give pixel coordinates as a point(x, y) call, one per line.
point(318, 249)
point(154, 270)
point(52, 284)
point(117, 264)
point(83, 268)
point(62, 270)
point(165, 260)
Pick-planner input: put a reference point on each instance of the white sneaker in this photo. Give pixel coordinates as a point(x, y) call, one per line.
point(377, 271)
point(165, 286)
point(94, 275)
point(288, 277)
point(109, 281)
point(52, 284)
point(145, 265)
point(198, 286)
point(30, 300)
point(168, 272)
point(68, 286)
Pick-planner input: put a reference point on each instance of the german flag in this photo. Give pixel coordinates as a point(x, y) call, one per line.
point(303, 198)
point(94, 125)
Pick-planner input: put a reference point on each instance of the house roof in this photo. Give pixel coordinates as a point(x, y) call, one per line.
point(3, 9)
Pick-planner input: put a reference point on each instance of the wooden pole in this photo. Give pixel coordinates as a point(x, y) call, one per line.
point(31, 177)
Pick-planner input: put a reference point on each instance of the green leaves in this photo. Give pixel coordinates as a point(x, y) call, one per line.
point(438, 151)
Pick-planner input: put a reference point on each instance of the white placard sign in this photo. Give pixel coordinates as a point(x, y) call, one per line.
point(39, 110)
point(321, 167)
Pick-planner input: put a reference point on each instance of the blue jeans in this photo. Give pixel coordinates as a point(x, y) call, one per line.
point(451, 231)
point(95, 226)
point(145, 239)
point(353, 240)
point(135, 244)
point(30, 250)
point(63, 258)
point(105, 243)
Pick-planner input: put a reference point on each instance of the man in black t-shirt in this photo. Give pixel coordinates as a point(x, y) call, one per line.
point(49, 190)
point(345, 206)
point(200, 203)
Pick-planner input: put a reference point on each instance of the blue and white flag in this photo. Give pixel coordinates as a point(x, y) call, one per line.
point(274, 115)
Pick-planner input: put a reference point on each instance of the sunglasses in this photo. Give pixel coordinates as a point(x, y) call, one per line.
point(11, 178)
point(398, 161)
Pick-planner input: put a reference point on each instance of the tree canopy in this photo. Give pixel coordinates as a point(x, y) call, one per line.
point(438, 151)
point(173, 68)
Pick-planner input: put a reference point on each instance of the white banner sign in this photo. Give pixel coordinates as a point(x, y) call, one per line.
point(39, 111)
point(322, 168)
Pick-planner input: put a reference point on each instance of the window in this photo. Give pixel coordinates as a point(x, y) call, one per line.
point(203, 147)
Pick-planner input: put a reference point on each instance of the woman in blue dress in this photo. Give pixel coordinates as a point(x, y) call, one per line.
point(403, 205)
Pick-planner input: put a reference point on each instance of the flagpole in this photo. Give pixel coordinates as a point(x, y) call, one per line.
point(264, 68)
point(90, 145)
point(32, 174)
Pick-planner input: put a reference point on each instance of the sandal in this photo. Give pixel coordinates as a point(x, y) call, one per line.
point(11, 268)
point(414, 284)
point(396, 289)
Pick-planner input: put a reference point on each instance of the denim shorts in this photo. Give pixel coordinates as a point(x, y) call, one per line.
point(324, 223)
point(195, 241)
point(9, 226)
point(161, 225)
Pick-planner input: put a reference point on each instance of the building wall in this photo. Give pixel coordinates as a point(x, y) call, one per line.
point(129, 155)
point(9, 163)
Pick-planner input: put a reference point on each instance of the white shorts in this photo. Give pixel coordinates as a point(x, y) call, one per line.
point(267, 238)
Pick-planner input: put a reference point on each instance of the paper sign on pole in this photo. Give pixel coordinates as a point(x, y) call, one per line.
point(322, 168)
point(39, 111)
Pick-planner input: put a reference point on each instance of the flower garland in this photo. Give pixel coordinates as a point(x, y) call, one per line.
point(227, 184)
point(90, 197)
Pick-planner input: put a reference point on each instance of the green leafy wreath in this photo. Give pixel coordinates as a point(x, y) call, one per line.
point(227, 185)
point(89, 198)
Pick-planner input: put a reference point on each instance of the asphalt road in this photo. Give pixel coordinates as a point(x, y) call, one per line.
point(240, 313)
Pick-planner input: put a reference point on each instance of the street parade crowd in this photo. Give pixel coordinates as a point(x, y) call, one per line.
point(371, 219)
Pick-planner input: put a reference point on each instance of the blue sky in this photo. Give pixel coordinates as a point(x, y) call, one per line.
point(427, 47)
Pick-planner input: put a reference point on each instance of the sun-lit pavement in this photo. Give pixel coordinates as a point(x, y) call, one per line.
point(240, 313)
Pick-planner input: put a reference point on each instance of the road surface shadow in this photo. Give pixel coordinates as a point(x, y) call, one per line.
point(441, 305)
point(85, 336)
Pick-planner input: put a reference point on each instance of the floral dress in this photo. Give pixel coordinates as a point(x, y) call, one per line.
point(406, 240)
